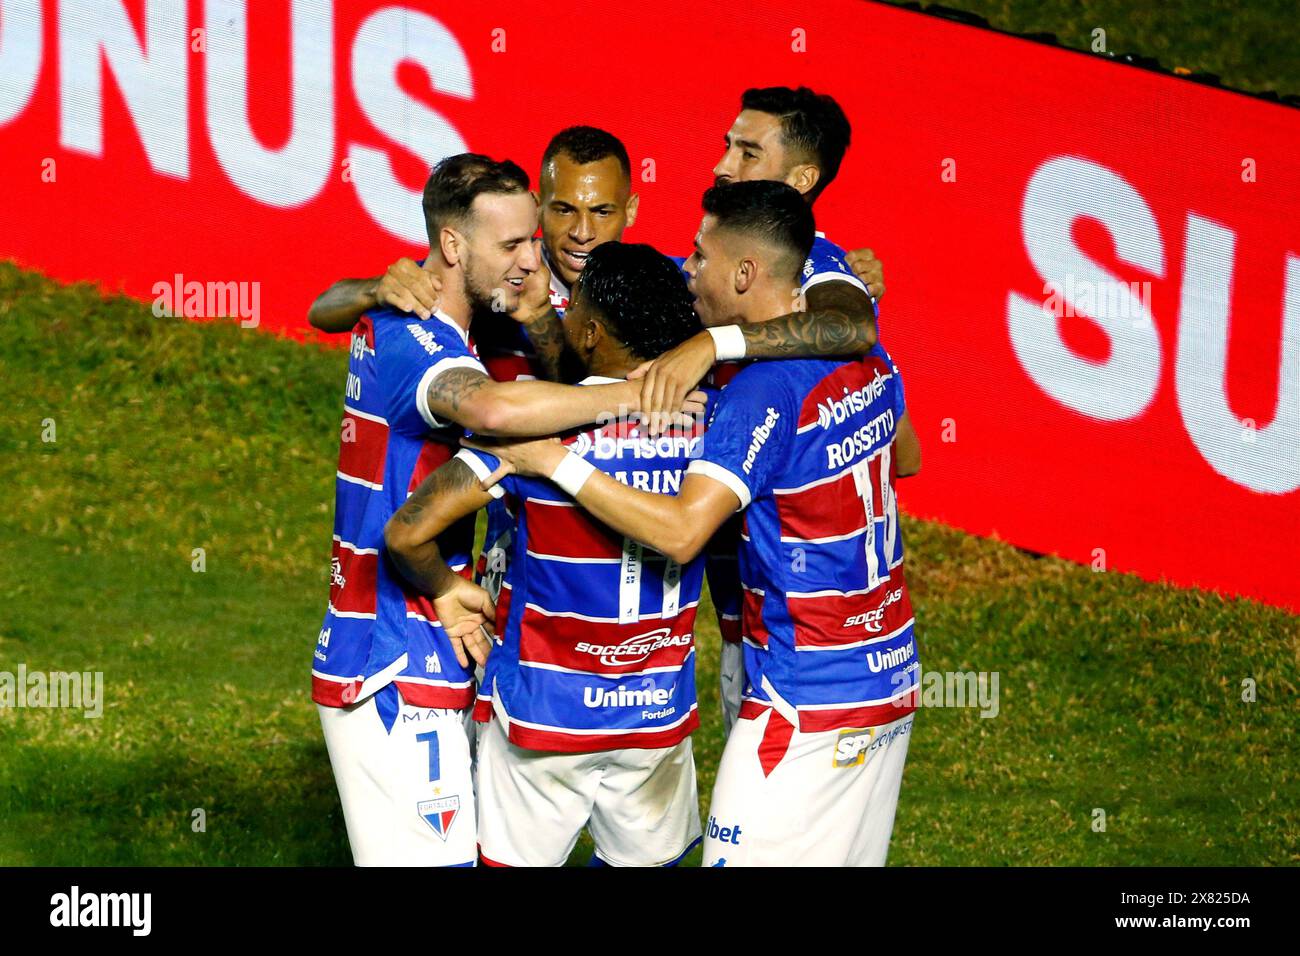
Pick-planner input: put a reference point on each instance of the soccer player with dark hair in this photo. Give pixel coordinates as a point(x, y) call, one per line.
point(797, 137)
point(589, 696)
point(809, 450)
point(393, 687)
point(586, 198)
point(790, 135)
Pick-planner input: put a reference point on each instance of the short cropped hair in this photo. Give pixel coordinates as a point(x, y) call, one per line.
point(587, 144)
point(640, 296)
point(773, 212)
point(458, 180)
point(811, 123)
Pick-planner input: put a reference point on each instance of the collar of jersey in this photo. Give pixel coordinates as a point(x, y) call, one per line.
point(439, 314)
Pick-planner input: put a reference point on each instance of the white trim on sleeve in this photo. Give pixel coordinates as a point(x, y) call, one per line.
point(817, 278)
point(721, 475)
point(480, 469)
point(432, 372)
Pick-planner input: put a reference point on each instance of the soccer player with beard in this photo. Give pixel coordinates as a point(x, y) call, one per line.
point(790, 135)
point(810, 451)
point(393, 688)
point(589, 695)
point(585, 197)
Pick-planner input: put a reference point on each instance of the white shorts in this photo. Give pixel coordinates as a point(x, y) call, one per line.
point(640, 806)
point(786, 798)
point(407, 793)
point(731, 681)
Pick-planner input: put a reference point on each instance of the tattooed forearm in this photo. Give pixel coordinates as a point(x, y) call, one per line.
point(450, 390)
point(840, 322)
point(547, 337)
point(450, 478)
point(412, 534)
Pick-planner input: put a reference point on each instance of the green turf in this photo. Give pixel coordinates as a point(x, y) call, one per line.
point(1115, 694)
point(1250, 46)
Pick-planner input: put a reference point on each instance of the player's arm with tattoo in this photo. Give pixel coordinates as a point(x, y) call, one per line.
point(473, 400)
point(839, 322)
point(678, 526)
point(540, 320)
point(405, 286)
point(546, 335)
point(411, 536)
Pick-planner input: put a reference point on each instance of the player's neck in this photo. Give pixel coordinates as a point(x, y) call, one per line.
point(767, 303)
point(454, 303)
point(611, 368)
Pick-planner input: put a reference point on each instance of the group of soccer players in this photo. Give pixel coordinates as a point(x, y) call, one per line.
point(731, 415)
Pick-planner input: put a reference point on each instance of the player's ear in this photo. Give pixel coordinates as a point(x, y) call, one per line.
point(746, 274)
point(804, 177)
point(451, 244)
point(633, 203)
point(592, 335)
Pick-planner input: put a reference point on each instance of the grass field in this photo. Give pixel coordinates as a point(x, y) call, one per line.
point(1115, 694)
point(1249, 46)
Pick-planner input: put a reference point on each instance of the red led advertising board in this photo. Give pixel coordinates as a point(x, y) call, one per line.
point(1093, 270)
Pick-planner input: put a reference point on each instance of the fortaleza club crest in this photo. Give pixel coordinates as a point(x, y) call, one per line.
point(440, 814)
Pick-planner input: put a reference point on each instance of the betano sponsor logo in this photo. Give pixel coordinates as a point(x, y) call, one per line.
point(760, 437)
point(634, 650)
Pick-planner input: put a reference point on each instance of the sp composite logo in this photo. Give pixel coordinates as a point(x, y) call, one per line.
point(851, 746)
point(854, 743)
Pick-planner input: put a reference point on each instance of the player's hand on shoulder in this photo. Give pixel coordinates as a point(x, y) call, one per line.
point(408, 287)
point(535, 300)
point(667, 383)
point(529, 456)
point(468, 615)
point(869, 269)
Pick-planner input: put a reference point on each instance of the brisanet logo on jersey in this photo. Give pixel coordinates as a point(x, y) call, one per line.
point(75, 908)
point(56, 689)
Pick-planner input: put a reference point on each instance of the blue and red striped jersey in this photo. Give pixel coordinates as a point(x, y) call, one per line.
point(825, 263)
point(596, 645)
point(508, 357)
point(807, 446)
point(376, 629)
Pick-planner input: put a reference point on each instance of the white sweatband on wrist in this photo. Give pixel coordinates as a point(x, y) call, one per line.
point(572, 473)
point(728, 343)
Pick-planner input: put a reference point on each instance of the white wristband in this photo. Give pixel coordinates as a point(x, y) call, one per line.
point(572, 473)
point(728, 343)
